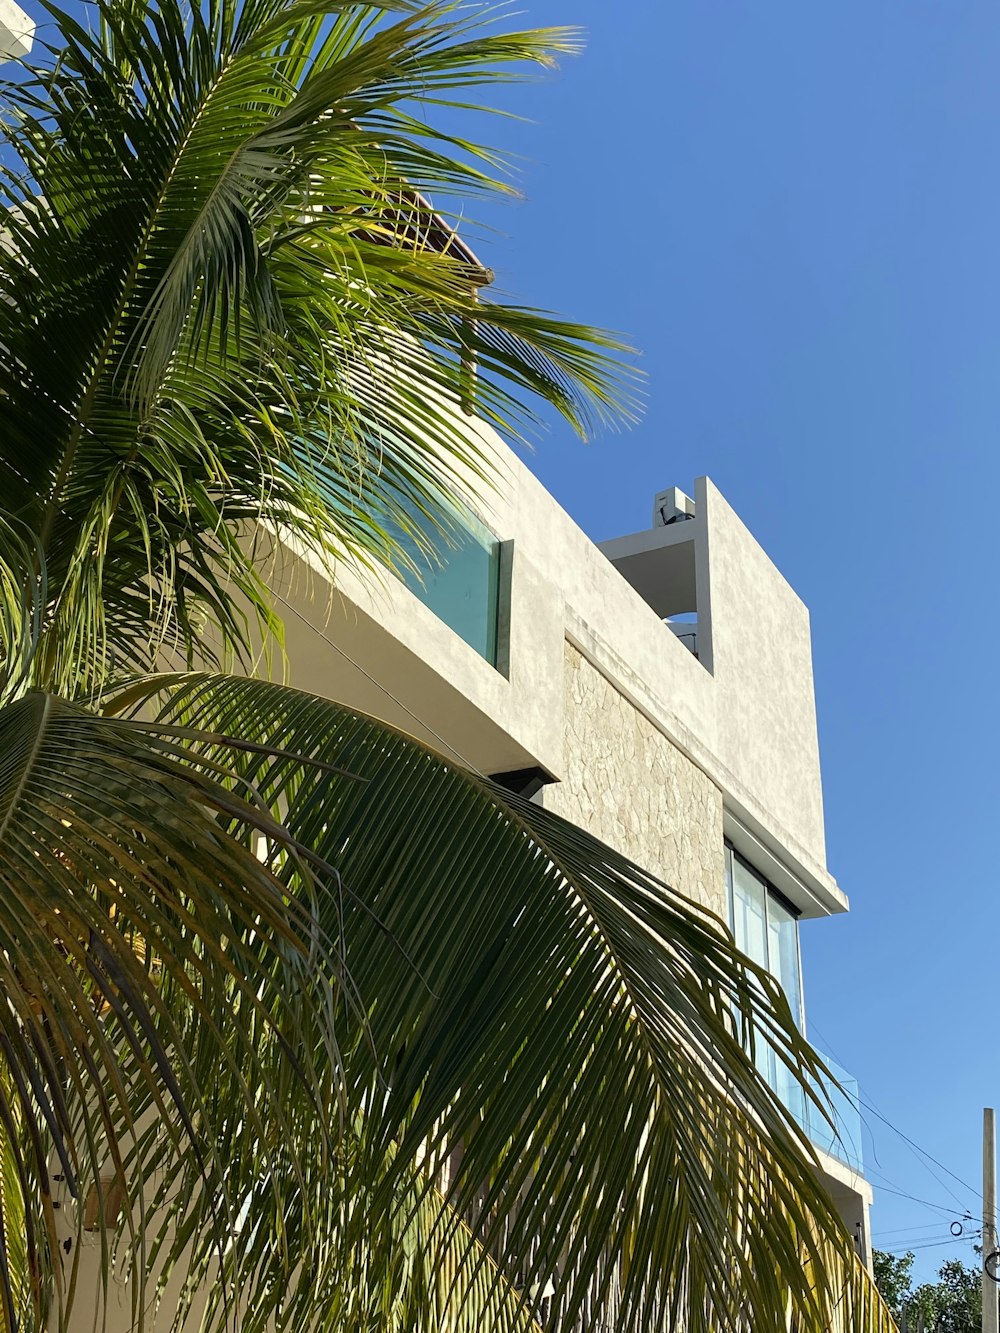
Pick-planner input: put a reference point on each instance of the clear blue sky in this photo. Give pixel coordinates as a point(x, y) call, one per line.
point(794, 210)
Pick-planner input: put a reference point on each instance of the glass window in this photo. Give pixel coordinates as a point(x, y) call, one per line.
point(764, 925)
point(461, 582)
point(458, 573)
point(783, 950)
point(766, 928)
point(749, 912)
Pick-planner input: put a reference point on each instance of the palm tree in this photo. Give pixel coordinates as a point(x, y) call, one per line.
point(294, 1009)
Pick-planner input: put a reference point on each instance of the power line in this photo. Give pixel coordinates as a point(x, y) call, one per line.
point(924, 1153)
point(925, 1203)
point(913, 1146)
point(971, 1239)
point(926, 1226)
point(908, 1242)
point(946, 1238)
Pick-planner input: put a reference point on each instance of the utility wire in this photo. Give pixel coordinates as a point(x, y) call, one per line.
point(926, 1226)
point(925, 1203)
point(908, 1242)
point(911, 1144)
point(938, 1235)
point(923, 1153)
point(936, 1244)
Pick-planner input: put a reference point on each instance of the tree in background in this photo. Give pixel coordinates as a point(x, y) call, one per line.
point(953, 1304)
point(894, 1279)
point(266, 964)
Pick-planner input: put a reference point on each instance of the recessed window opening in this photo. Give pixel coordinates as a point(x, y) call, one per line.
point(463, 582)
point(765, 925)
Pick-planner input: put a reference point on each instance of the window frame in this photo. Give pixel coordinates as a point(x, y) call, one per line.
point(732, 853)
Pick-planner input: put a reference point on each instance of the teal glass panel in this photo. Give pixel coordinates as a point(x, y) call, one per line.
point(461, 582)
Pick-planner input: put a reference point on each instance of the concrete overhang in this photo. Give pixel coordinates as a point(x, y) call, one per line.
point(809, 887)
point(843, 1178)
point(660, 565)
point(17, 31)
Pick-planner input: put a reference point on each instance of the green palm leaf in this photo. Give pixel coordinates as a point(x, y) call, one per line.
point(167, 1016)
point(18, 1265)
point(556, 1025)
point(230, 309)
point(226, 298)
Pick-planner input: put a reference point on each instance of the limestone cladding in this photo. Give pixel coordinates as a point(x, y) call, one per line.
point(627, 784)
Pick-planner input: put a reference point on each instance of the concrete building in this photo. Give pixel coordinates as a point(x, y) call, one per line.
point(657, 690)
point(17, 31)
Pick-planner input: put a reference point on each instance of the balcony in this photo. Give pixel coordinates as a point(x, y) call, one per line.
point(841, 1141)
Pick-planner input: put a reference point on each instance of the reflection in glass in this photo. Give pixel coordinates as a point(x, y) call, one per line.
point(783, 950)
point(749, 913)
point(766, 928)
point(460, 582)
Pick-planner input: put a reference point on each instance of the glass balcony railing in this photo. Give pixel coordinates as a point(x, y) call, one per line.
point(457, 573)
point(842, 1140)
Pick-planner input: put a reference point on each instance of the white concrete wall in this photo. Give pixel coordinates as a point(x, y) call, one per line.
point(762, 667)
point(17, 31)
point(744, 714)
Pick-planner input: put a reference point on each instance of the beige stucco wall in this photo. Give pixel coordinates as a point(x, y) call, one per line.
point(746, 719)
point(626, 783)
point(17, 31)
point(762, 668)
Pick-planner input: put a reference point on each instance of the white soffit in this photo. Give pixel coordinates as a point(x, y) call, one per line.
point(813, 893)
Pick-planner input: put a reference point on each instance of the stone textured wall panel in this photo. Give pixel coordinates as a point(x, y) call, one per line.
point(630, 787)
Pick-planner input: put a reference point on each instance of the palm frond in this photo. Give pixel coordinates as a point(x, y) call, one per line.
point(418, 1265)
point(19, 1270)
point(222, 282)
point(558, 1027)
point(167, 1016)
point(272, 972)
